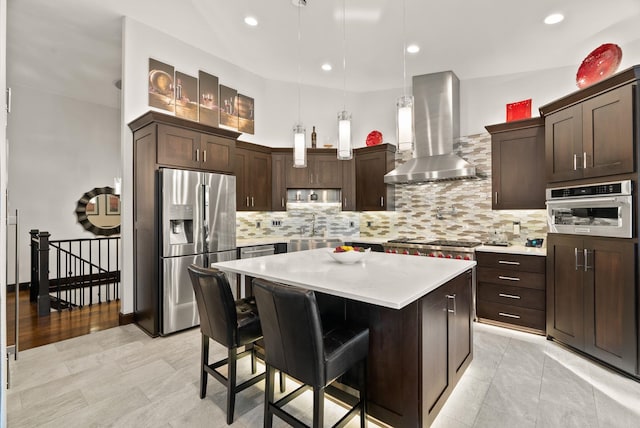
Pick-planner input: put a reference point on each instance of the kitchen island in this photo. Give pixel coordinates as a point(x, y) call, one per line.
point(419, 313)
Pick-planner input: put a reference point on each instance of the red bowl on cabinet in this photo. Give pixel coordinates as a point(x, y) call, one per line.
point(374, 138)
point(599, 64)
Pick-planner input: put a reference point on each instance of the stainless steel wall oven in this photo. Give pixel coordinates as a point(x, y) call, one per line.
point(603, 209)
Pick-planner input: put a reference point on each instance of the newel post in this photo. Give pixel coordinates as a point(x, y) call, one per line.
point(44, 303)
point(33, 286)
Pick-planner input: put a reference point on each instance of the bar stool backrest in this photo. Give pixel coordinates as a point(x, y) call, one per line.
point(218, 318)
point(292, 330)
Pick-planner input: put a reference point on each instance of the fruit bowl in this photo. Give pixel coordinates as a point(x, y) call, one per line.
point(348, 257)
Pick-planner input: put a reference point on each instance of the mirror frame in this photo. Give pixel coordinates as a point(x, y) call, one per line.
point(81, 212)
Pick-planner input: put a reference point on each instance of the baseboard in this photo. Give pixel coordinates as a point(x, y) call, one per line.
point(23, 286)
point(124, 319)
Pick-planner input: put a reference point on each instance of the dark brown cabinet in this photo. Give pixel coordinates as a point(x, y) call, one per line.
point(511, 290)
point(592, 138)
point(186, 148)
point(323, 171)
point(591, 297)
point(253, 177)
point(418, 353)
point(517, 163)
point(278, 185)
point(348, 185)
point(447, 311)
point(372, 163)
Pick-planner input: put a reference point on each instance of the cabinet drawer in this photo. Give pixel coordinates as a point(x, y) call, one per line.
point(524, 317)
point(512, 278)
point(516, 296)
point(511, 261)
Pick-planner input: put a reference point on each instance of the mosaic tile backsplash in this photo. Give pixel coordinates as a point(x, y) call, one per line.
point(458, 209)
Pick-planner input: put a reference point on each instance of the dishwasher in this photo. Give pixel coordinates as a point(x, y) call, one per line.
point(244, 282)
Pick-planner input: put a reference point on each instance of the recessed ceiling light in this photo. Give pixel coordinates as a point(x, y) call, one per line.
point(554, 18)
point(251, 21)
point(327, 67)
point(413, 48)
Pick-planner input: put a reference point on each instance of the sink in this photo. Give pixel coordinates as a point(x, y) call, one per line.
point(299, 244)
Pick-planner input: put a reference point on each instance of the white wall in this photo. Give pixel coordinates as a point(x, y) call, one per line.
point(59, 148)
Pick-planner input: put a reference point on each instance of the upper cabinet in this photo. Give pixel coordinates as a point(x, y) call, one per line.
point(185, 144)
point(323, 171)
point(590, 133)
point(372, 163)
point(517, 162)
point(278, 186)
point(253, 177)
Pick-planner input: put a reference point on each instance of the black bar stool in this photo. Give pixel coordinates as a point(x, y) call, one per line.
point(296, 343)
point(232, 323)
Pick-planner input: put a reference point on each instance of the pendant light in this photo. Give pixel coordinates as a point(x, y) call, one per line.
point(344, 118)
point(404, 105)
point(299, 132)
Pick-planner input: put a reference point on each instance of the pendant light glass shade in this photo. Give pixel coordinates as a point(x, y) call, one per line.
point(404, 123)
point(344, 136)
point(299, 147)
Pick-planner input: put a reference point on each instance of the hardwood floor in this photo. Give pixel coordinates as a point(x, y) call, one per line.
point(36, 331)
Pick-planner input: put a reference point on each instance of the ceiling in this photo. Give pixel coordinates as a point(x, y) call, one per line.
point(68, 46)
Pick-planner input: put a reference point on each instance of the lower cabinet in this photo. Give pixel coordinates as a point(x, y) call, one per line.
point(592, 298)
point(511, 290)
point(446, 343)
point(417, 354)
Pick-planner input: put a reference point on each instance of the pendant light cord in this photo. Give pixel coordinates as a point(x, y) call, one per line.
point(299, 62)
point(404, 50)
point(344, 54)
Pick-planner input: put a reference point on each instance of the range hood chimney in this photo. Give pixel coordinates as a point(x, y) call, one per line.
point(437, 125)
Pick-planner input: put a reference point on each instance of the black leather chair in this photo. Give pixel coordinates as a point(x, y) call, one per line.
point(232, 323)
point(296, 343)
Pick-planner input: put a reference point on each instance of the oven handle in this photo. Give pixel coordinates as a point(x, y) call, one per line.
point(582, 201)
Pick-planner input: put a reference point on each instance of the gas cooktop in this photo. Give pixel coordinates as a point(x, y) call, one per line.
point(437, 242)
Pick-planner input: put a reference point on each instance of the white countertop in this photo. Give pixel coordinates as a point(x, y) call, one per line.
point(513, 249)
point(389, 280)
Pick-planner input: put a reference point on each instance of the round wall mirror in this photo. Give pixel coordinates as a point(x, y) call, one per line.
point(98, 211)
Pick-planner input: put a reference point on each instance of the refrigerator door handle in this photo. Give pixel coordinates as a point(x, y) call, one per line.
point(205, 189)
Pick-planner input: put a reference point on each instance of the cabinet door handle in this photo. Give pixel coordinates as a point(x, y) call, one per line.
point(197, 155)
point(252, 204)
point(575, 162)
point(586, 259)
point(508, 262)
point(452, 297)
point(575, 253)
point(504, 314)
point(584, 160)
point(496, 198)
point(509, 296)
point(247, 201)
point(382, 201)
point(345, 203)
point(204, 156)
point(508, 278)
point(282, 202)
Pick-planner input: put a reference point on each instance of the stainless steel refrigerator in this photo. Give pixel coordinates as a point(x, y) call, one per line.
point(198, 222)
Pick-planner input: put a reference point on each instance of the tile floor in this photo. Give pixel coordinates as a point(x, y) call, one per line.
point(121, 377)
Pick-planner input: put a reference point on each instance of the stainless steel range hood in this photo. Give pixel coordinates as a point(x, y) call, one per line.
point(437, 125)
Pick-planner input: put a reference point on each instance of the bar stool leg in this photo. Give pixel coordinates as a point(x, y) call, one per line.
point(268, 395)
point(231, 384)
point(363, 396)
point(204, 361)
point(318, 407)
point(283, 381)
